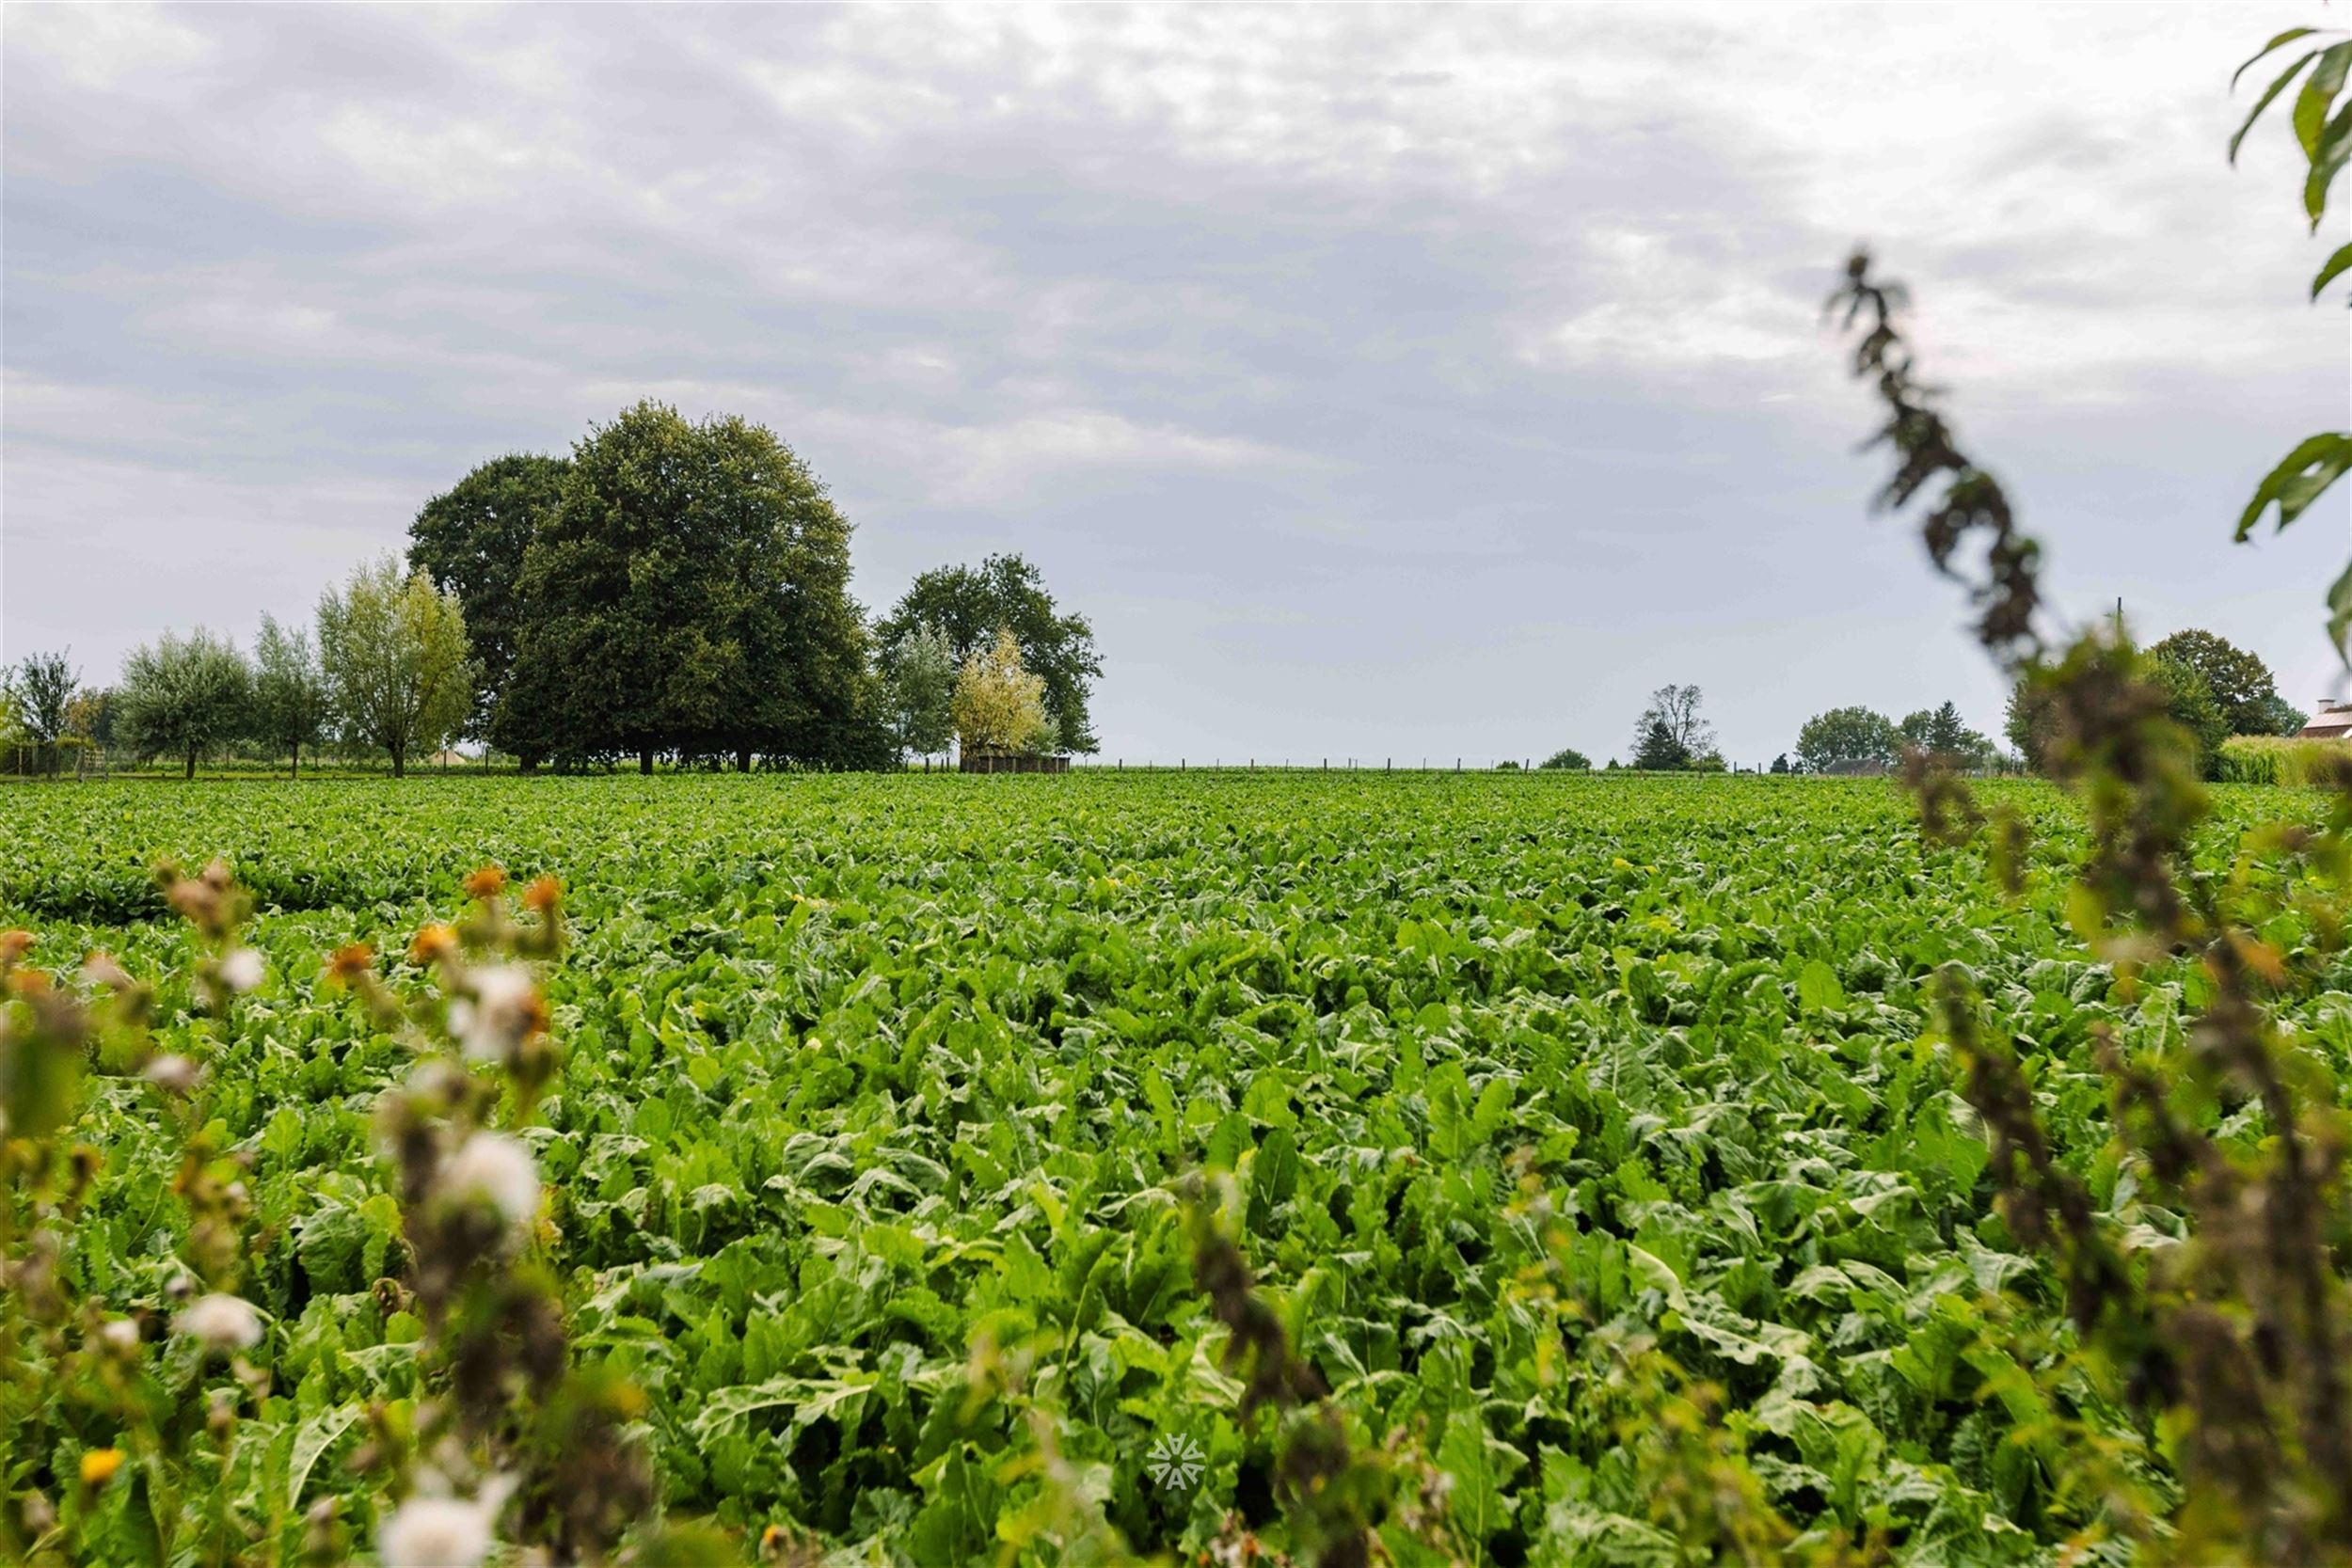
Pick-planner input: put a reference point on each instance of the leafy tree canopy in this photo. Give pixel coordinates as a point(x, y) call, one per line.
point(2191, 704)
point(44, 685)
point(1848, 738)
point(1655, 748)
point(90, 715)
point(182, 696)
point(1000, 707)
point(969, 605)
point(2239, 681)
point(2035, 716)
point(922, 686)
point(2278, 716)
point(392, 651)
point(1569, 758)
point(471, 538)
point(690, 594)
point(1944, 733)
point(292, 704)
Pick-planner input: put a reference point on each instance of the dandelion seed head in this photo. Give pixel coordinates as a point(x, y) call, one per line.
point(241, 970)
point(221, 1323)
point(494, 1166)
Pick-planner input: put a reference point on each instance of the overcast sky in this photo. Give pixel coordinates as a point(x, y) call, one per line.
point(1381, 381)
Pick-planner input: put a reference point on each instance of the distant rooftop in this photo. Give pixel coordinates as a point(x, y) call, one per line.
point(2333, 721)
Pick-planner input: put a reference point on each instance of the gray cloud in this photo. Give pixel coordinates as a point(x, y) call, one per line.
point(1410, 382)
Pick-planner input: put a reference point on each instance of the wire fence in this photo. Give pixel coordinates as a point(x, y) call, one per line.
point(1359, 765)
point(93, 763)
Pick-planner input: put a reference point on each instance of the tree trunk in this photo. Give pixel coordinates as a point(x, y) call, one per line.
point(744, 760)
point(644, 759)
point(191, 772)
point(295, 770)
point(400, 758)
point(525, 762)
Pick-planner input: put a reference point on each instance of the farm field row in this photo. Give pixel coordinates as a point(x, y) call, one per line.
point(876, 1087)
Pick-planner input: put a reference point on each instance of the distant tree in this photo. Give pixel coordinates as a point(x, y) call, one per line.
point(1847, 737)
point(1942, 732)
point(971, 605)
point(1000, 707)
point(922, 686)
point(1673, 713)
point(1709, 762)
point(1506, 766)
point(2278, 716)
point(182, 697)
point(2030, 723)
point(89, 717)
point(43, 684)
point(1656, 748)
point(2190, 703)
point(690, 595)
point(2033, 716)
point(470, 540)
point(2239, 682)
point(392, 650)
point(1569, 757)
point(291, 704)
point(1780, 763)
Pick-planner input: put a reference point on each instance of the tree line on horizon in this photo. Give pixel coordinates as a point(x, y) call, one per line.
point(2215, 690)
point(669, 590)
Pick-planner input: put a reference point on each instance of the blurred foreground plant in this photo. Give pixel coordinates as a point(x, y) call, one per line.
point(2234, 1343)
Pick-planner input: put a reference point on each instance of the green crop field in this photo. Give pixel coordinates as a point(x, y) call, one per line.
point(869, 1156)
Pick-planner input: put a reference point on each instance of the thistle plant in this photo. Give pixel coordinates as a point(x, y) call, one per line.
point(141, 1417)
point(127, 1411)
point(509, 1415)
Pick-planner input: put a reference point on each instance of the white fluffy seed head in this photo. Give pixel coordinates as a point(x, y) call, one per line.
point(220, 1322)
point(501, 1012)
point(175, 1073)
point(496, 1167)
point(434, 1532)
point(240, 971)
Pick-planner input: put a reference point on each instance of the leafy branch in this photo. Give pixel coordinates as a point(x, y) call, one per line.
point(2323, 133)
point(2235, 1344)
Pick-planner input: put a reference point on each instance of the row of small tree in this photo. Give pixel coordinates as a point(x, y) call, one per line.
point(389, 672)
point(2214, 689)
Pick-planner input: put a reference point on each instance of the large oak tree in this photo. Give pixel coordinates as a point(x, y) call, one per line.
point(689, 595)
